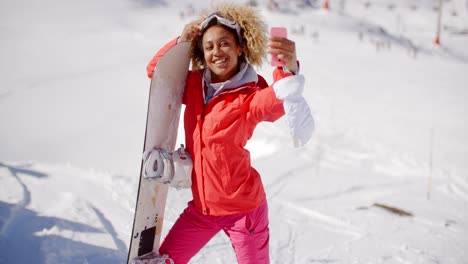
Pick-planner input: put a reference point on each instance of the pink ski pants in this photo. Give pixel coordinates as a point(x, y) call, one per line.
point(248, 232)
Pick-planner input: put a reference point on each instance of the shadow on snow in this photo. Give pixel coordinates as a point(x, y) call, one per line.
point(21, 243)
point(26, 237)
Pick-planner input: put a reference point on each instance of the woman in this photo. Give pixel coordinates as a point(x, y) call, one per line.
point(225, 99)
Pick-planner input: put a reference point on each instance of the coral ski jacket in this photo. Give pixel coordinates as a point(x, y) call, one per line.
point(223, 180)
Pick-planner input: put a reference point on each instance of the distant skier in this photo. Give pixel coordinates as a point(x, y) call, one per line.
point(225, 99)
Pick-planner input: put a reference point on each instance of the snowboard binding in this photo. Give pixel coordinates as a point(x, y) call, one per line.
point(152, 258)
point(173, 168)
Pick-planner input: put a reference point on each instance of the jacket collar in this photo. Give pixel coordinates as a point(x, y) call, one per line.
point(246, 75)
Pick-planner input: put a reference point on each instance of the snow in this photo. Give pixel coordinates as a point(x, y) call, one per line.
point(390, 110)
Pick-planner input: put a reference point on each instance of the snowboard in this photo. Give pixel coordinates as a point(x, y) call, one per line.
point(164, 106)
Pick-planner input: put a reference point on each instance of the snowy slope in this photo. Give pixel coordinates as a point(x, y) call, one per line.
point(390, 111)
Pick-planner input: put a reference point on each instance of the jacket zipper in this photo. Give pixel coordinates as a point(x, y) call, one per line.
point(203, 200)
point(202, 121)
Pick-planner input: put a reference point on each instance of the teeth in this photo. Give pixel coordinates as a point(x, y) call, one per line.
point(220, 61)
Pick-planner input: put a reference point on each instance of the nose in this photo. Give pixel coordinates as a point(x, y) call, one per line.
point(217, 50)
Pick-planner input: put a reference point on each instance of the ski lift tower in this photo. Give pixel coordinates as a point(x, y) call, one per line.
point(439, 17)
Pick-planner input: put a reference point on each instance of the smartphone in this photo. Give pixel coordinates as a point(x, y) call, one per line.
point(279, 32)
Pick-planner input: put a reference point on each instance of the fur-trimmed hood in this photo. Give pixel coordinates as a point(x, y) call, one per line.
point(254, 34)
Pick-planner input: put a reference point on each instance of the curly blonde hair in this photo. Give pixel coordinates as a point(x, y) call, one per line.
point(254, 34)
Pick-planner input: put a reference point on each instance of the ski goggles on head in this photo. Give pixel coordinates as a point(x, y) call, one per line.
point(217, 19)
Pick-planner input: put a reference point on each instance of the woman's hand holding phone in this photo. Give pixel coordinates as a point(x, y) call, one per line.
point(282, 50)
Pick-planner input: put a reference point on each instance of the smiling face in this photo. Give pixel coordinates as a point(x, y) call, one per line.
point(221, 52)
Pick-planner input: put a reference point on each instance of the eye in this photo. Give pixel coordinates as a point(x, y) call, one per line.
point(208, 48)
point(224, 43)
